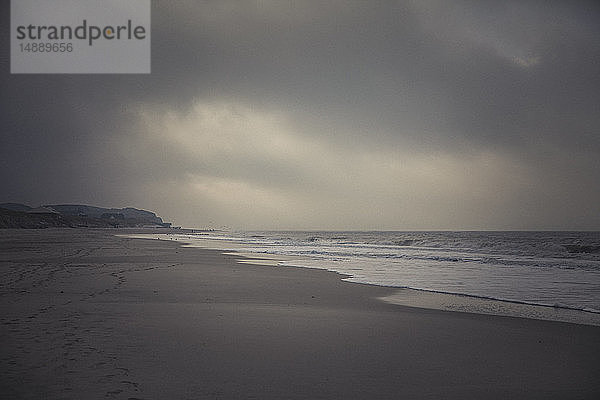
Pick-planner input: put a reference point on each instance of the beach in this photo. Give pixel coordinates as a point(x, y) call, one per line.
point(87, 314)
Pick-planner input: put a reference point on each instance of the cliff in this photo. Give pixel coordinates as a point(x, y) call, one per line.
point(15, 215)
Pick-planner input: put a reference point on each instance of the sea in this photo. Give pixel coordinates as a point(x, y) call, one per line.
point(544, 275)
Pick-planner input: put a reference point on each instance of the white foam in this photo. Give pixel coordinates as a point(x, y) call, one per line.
point(534, 268)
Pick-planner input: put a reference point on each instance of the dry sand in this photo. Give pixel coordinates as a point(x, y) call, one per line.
point(88, 315)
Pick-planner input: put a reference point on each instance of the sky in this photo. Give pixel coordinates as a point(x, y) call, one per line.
point(326, 115)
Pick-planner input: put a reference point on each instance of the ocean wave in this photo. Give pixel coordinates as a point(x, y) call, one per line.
point(501, 299)
point(578, 248)
point(552, 268)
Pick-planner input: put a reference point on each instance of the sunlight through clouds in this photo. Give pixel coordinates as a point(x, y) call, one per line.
point(253, 165)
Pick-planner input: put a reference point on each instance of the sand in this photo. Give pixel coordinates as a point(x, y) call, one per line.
point(88, 315)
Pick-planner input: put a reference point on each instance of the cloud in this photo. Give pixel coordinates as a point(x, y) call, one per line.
point(412, 115)
point(251, 167)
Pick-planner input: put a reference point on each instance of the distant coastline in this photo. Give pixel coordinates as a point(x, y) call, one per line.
point(22, 216)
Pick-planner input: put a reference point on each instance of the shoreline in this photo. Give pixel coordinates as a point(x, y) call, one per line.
point(86, 314)
point(418, 298)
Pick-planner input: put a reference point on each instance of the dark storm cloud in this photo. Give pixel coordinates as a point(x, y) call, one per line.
point(427, 114)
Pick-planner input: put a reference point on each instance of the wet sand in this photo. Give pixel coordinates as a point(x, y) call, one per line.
point(86, 314)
